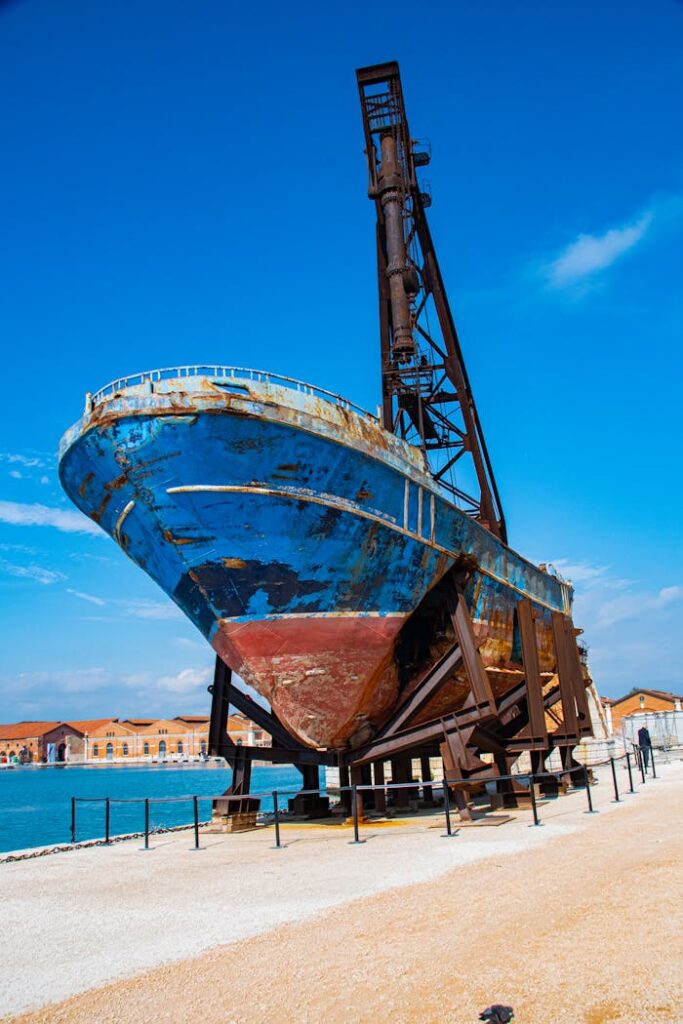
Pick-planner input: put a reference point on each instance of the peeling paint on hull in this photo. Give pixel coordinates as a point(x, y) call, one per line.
point(296, 534)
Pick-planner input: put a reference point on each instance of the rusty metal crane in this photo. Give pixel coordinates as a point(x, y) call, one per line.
point(426, 394)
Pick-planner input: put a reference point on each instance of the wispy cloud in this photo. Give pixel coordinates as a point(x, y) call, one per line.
point(632, 605)
point(29, 461)
point(36, 573)
point(84, 692)
point(138, 608)
point(91, 598)
point(631, 629)
point(142, 609)
point(66, 520)
point(589, 254)
point(22, 549)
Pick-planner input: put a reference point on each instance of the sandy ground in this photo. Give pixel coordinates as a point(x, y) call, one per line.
point(577, 921)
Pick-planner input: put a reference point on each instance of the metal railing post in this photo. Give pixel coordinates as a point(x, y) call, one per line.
point(356, 841)
point(630, 772)
point(652, 759)
point(276, 812)
point(447, 810)
point(107, 818)
point(147, 824)
point(641, 763)
point(532, 793)
point(614, 780)
point(590, 797)
point(195, 809)
point(73, 819)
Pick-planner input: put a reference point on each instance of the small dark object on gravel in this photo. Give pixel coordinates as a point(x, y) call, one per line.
point(497, 1014)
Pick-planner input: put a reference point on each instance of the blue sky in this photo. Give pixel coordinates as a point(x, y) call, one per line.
point(186, 183)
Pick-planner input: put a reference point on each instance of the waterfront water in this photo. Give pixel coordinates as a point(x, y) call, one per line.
point(35, 803)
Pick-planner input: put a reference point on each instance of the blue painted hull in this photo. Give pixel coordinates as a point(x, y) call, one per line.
point(295, 533)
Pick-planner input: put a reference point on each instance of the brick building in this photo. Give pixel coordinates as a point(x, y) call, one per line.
point(639, 702)
point(110, 739)
point(149, 739)
point(60, 741)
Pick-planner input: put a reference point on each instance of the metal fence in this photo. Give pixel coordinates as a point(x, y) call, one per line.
point(665, 728)
point(637, 765)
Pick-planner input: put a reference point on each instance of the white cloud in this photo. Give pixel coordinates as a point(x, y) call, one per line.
point(66, 520)
point(31, 572)
point(16, 474)
point(86, 597)
point(28, 461)
point(633, 605)
point(188, 680)
point(44, 479)
point(23, 549)
point(589, 254)
point(143, 609)
point(79, 680)
point(586, 575)
point(189, 645)
point(630, 628)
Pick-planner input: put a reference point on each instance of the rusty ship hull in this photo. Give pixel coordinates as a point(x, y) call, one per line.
point(299, 536)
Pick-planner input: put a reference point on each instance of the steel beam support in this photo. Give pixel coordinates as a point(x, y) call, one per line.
point(428, 687)
point(474, 666)
point(220, 744)
point(575, 713)
point(252, 709)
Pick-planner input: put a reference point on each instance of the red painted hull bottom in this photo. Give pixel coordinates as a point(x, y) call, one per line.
point(325, 677)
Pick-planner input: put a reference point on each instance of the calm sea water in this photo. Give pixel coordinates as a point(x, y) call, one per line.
point(35, 803)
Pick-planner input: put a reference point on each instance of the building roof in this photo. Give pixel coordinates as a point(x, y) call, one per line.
point(662, 694)
point(191, 719)
point(88, 724)
point(26, 730)
point(163, 723)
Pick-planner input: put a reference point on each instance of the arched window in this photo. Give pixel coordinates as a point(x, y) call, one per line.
point(145, 748)
point(180, 746)
point(110, 751)
point(95, 750)
point(125, 750)
point(162, 749)
point(202, 746)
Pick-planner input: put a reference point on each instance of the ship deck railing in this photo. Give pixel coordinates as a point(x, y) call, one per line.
point(223, 373)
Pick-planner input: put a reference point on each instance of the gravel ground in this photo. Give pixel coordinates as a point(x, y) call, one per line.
point(578, 921)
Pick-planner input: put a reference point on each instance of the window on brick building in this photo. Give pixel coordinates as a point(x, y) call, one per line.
point(145, 748)
point(125, 750)
point(95, 750)
point(180, 746)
